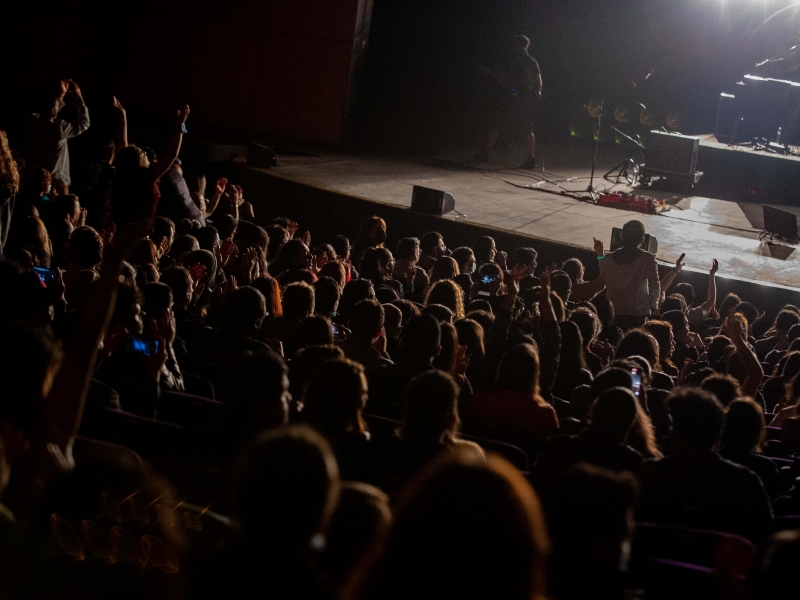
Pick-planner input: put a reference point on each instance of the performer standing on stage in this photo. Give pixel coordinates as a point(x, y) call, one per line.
point(520, 82)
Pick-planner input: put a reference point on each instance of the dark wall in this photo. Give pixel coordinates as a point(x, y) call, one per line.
point(425, 91)
point(277, 66)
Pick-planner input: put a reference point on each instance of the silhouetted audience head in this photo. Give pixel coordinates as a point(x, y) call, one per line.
point(613, 414)
point(287, 491)
point(697, 418)
point(366, 320)
point(298, 301)
point(245, 310)
point(431, 407)
point(492, 538)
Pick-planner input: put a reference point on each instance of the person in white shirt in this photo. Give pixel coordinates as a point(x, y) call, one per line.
point(631, 278)
point(48, 135)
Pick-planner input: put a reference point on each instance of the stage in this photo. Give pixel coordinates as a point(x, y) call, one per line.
point(531, 203)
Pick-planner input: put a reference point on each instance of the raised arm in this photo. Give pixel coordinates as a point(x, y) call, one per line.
point(711, 295)
point(81, 123)
point(66, 400)
point(670, 277)
point(165, 161)
point(755, 373)
point(122, 126)
point(213, 201)
point(653, 284)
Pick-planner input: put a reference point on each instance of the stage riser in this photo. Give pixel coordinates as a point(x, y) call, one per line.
point(746, 176)
point(328, 213)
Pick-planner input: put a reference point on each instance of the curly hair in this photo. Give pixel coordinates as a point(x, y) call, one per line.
point(449, 294)
point(9, 173)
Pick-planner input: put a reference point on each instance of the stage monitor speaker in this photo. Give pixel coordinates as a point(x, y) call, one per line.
point(432, 202)
point(650, 241)
point(780, 223)
point(727, 121)
point(260, 156)
point(671, 154)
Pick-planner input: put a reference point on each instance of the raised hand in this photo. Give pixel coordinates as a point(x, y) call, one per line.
point(598, 247)
point(220, 185)
point(679, 262)
point(182, 115)
point(714, 266)
point(501, 259)
point(117, 105)
point(74, 90)
point(686, 370)
point(544, 279)
point(197, 271)
point(224, 251)
point(82, 219)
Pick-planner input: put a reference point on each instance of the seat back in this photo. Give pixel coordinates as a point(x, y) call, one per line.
point(513, 454)
point(198, 386)
point(88, 449)
point(790, 433)
point(685, 545)
point(148, 437)
point(188, 410)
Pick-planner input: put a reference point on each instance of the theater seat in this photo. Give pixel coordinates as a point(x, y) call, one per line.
point(189, 410)
point(679, 562)
point(150, 438)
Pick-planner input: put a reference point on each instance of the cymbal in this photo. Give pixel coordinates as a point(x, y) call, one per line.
point(674, 120)
point(623, 113)
point(596, 108)
point(648, 117)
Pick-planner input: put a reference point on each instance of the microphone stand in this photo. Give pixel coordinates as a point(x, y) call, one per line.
point(590, 189)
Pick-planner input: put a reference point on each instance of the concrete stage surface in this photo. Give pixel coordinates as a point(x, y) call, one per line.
point(528, 202)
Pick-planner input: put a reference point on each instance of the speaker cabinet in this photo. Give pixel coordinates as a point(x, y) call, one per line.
point(671, 155)
point(260, 156)
point(432, 202)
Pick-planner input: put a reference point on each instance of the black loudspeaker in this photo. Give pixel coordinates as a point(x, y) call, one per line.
point(650, 241)
point(432, 202)
point(727, 124)
point(261, 157)
point(671, 154)
point(780, 223)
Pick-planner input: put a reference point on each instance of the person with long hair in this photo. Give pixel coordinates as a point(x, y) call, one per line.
point(135, 193)
point(491, 536)
point(9, 187)
point(449, 294)
point(272, 294)
point(444, 268)
point(572, 370)
point(514, 411)
point(28, 242)
point(662, 331)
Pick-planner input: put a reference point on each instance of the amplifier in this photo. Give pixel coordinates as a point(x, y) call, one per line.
point(671, 155)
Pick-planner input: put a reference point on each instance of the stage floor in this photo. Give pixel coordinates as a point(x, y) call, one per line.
point(502, 196)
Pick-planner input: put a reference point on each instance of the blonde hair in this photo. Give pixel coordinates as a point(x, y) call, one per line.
point(445, 267)
point(9, 173)
point(449, 294)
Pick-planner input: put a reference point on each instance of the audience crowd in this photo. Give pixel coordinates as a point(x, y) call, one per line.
point(197, 401)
